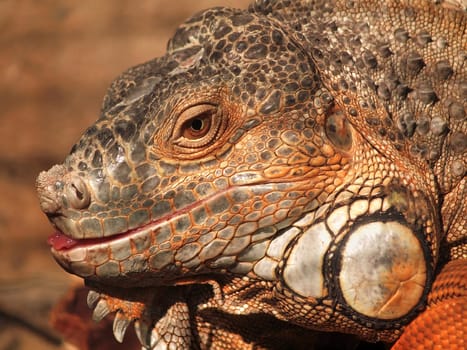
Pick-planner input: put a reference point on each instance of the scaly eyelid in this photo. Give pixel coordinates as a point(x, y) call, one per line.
point(203, 111)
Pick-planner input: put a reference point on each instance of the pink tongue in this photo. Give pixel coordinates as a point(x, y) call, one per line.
point(59, 241)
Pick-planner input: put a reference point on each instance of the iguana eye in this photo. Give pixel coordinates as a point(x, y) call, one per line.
point(198, 126)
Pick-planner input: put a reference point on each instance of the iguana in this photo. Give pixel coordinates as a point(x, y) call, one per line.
point(295, 168)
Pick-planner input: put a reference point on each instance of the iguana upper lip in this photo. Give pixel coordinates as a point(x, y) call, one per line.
point(60, 241)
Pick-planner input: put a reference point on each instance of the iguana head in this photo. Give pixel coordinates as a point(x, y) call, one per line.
point(226, 131)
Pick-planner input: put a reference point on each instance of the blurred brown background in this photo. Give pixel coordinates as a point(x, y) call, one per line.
point(56, 60)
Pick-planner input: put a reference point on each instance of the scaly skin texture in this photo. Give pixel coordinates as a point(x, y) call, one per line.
point(286, 170)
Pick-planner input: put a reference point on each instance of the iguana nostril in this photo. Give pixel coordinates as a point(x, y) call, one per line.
point(77, 193)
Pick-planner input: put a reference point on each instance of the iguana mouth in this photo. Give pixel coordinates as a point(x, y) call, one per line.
point(62, 242)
